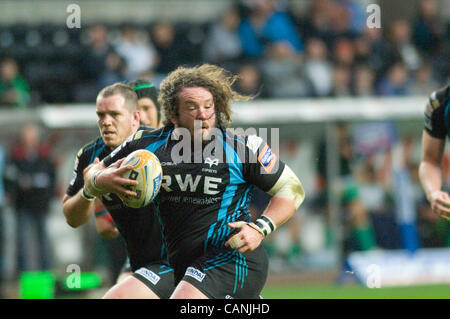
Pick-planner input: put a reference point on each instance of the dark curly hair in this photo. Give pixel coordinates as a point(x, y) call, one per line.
point(215, 79)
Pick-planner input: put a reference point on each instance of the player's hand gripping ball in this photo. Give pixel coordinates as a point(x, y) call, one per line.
point(147, 171)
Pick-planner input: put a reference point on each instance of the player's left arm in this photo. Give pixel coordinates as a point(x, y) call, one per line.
point(287, 195)
point(430, 174)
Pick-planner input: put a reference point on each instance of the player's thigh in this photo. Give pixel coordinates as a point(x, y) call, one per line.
point(125, 271)
point(185, 290)
point(153, 281)
point(123, 276)
point(227, 274)
point(130, 288)
point(158, 277)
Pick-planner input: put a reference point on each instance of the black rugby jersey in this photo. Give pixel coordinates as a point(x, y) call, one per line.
point(437, 113)
point(140, 228)
point(197, 200)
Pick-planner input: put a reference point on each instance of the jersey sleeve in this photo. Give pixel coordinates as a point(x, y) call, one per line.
point(262, 167)
point(434, 115)
point(130, 145)
point(77, 180)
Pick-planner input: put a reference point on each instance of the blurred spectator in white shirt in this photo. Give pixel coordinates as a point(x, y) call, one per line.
point(318, 68)
point(138, 52)
point(402, 47)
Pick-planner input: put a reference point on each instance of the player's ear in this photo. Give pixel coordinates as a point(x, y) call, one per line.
point(173, 120)
point(136, 116)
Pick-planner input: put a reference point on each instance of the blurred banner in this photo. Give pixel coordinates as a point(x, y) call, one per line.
point(377, 269)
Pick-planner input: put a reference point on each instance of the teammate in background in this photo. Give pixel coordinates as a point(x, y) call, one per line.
point(150, 116)
point(118, 119)
point(433, 145)
point(147, 102)
point(203, 205)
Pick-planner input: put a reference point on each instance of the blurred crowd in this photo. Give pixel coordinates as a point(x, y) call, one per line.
point(326, 50)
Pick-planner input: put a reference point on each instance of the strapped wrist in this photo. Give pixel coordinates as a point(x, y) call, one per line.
point(264, 225)
point(85, 194)
point(94, 182)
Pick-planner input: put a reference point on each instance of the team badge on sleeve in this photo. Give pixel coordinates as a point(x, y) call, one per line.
point(267, 159)
point(138, 135)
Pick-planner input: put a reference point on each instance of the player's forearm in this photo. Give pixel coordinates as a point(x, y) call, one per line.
point(77, 210)
point(280, 210)
point(288, 194)
point(430, 175)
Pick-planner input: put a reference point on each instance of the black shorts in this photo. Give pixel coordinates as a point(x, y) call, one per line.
point(157, 276)
point(227, 274)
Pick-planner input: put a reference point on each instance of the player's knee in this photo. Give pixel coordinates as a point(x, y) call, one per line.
point(185, 290)
point(116, 292)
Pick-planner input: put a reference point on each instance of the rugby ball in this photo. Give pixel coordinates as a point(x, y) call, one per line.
point(148, 172)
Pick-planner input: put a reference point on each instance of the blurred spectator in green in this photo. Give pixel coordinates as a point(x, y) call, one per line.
point(358, 231)
point(374, 201)
point(14, 90)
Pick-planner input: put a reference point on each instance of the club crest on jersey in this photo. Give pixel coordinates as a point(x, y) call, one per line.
point(253, 143)
point(267, 159)
point(434, 100)
point(210, 161)
point(138, 135)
